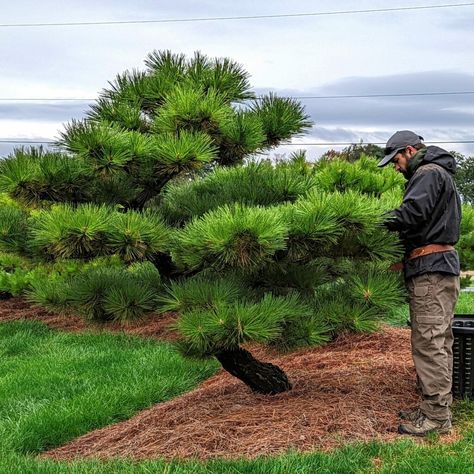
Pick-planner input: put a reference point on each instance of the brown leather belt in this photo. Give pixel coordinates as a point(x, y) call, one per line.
point(430, 248)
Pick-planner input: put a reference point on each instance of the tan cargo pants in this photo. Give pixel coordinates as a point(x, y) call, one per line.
point(433, 297)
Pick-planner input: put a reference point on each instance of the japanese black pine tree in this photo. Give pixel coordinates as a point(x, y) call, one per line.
point(154, 195)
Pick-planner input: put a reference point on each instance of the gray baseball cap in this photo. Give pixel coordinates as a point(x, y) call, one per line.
point(397, 142)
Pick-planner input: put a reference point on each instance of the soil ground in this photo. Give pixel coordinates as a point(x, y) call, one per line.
point(349, 390)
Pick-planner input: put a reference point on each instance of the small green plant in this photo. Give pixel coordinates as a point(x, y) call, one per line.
point(19, 281)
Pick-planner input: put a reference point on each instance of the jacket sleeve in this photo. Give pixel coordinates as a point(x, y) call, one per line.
point(421, 197)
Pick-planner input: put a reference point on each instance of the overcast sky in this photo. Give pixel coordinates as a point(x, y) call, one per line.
point(415, 51)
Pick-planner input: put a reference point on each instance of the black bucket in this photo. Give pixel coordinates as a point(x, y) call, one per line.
point(463, 356)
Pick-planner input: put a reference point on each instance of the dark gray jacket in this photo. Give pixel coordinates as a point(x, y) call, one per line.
point(430, 214)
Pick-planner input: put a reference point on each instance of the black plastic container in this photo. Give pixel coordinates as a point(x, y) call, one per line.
point(463, 356)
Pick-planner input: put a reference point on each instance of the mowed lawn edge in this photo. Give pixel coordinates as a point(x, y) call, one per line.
point(55, 386)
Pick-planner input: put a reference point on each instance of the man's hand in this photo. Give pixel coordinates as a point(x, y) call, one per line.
point(390, 221)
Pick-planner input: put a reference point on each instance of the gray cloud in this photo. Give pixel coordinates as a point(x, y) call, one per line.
point(7, 148)
point(51, 112)
point(459, 23)
point(453, 110)
point(425, 111)
point(448, 117)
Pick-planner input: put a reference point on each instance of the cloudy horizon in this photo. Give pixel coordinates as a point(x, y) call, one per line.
point(411, 52)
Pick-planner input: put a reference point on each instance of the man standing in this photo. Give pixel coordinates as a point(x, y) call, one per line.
point(428, 223)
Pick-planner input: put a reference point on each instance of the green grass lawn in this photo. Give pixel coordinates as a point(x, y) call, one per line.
point(465, 304)
point(55, 386)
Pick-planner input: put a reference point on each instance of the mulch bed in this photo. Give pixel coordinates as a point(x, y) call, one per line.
point(349, 390)
point(154, 325)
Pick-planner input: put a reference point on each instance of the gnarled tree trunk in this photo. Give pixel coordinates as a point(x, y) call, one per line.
point(261, 377)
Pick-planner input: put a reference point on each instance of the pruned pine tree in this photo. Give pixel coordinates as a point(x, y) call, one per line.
point(287, 255)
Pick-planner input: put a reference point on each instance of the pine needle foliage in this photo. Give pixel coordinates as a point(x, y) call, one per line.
point(13, 229)
point(128, 301)
point(32, 178)
point(237, 236)
point(200, 293)
point(220, 74)
point(89, 290)
point(63, 178)
point(129, 94)
point(281, 117)
point(89, 230)
point(313, 228)
point(337, 224)
point(125, 112)
point(364, 320)
point(361, 176)
point(376, 288)
point(186, 151)
point(192, 109)
point(354, 212)
point(104, 294)
point(53, 295)
point(378, 244)
point(132, 291)
point(147, 274)
point(148, 127)
point(225, 327)
point(257, 183)
point(11, 261)
point(69, 232)
point(106, 146)
point(286, 254)
point(341, 314)
point(135, 236)
point(242, 135)
point(300, 330)
point(16, 172)
point(167, 63)
point(391, 199)
point(282, 276)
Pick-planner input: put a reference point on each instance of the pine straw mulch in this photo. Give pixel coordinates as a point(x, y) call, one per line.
point(350, 390)
point(154, 325)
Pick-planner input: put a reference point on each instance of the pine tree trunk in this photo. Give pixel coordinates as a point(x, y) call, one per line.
point(261, 377)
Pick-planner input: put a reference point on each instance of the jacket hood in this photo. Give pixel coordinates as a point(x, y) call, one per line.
point(440, 157)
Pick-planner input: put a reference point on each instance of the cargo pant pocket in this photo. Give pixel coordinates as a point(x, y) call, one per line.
point(426, 311)
point(426, 308)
